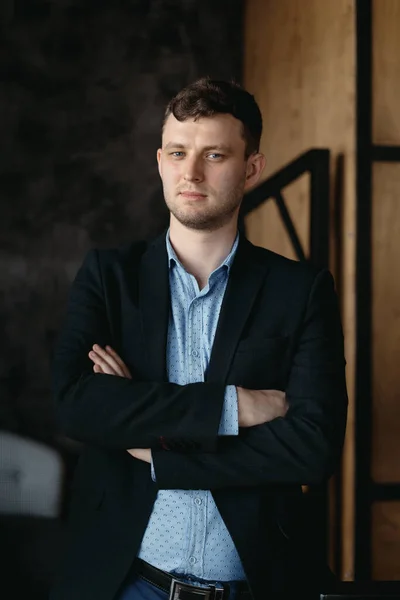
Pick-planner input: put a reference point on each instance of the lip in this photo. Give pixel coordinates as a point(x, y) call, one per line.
point(193, 195)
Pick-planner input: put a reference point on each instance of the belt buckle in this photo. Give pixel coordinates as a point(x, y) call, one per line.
point(214, 592)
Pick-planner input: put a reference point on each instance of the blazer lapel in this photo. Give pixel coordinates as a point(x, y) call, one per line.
point(245, 279)
point(154, 304)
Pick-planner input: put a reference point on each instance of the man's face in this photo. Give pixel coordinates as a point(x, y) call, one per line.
point(203, 170)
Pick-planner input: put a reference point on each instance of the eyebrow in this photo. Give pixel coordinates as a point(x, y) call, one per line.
point(218, 147)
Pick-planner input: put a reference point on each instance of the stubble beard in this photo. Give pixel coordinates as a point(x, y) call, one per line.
point(206, 218)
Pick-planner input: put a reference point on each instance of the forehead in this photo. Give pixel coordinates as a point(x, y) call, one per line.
point(219, 129)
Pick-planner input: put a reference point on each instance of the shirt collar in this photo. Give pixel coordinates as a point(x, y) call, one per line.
point(172, 257)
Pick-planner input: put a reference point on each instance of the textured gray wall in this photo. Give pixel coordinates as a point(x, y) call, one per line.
point(83, 88)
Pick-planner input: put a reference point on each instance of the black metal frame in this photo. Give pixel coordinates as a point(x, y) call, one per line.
point(366, 491)
point(316, 162)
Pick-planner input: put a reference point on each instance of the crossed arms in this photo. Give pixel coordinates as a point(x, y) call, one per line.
point(302, 447)
point(254, 406)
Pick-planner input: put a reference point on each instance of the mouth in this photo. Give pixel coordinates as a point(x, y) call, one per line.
point(193, 195)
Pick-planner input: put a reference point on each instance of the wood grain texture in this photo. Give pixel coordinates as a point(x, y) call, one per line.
point(385, 466)
point(386, 323)
point(386, 71)
point(385, 540)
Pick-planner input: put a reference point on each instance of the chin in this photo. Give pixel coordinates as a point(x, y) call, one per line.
point(210, 224)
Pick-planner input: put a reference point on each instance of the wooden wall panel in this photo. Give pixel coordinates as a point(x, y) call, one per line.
point(386, 323)
point(297, 200)
point(386, 288)
point(386, 71)
point(300, 65)
point(385, 540)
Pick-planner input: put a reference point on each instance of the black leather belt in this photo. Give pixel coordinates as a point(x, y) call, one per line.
point(180, 590)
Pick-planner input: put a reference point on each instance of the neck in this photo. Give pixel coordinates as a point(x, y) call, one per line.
point(201, 252)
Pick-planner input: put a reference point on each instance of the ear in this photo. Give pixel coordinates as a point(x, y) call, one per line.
point(255, 166)
point(159, 152)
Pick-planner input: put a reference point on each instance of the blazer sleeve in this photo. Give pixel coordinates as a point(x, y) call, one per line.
point(115, 412)
point(302, 448)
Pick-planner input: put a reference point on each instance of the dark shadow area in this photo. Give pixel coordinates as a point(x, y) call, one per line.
point(83, 89)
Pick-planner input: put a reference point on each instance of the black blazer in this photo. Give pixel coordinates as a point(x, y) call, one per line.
point(279, 328)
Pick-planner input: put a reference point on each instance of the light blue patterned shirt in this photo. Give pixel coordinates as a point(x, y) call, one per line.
point(186, 533)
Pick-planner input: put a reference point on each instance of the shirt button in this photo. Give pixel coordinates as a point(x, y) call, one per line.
point(195, 353)
point(197, 501)
point(192, 560)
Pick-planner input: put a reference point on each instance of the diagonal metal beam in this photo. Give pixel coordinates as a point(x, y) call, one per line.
point(290, 228)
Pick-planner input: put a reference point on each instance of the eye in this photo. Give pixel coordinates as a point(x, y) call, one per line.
point(177, 154)
point(215, 156)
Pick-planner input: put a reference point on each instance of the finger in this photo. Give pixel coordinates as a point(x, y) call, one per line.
point(102, 366)
point(96, 358)
point(106, 358)
point(105, 366)
point(119, 360)
point(115, 355)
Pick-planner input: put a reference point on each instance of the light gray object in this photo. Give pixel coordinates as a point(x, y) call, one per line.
point(31, 477)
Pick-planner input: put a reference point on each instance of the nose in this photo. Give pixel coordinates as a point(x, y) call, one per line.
point(193, 170)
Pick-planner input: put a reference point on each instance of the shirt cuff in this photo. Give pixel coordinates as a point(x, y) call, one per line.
point(153, 473)
point(229, 424)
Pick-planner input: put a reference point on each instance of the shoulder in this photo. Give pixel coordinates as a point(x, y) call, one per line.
point(296, 283)
point(285, 269)
point(124, 253)
point(128, 255)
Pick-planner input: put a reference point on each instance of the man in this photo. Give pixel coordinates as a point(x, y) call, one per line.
point(206, 378)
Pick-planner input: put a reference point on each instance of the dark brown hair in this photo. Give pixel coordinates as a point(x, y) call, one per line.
point(207, 97)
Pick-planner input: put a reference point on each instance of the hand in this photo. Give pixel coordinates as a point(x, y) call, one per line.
point(143, 454)
point(107, 362)
point(260, 406)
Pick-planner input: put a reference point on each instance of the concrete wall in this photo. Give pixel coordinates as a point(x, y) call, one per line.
point(84, 88)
